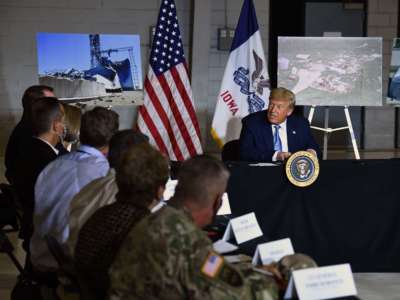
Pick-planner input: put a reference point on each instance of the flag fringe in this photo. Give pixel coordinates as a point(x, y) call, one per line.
point(217, 139)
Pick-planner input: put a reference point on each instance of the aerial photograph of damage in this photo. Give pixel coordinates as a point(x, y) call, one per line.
point(332, 71)
point(91, 69)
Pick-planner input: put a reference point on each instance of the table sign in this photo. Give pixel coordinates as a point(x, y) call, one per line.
point(322, 283)
point(169, 192)
point(272, 251)
point(243, 228)
point(225, 208)
point(169, 189)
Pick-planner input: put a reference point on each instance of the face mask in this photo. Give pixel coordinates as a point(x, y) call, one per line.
point(70, 137)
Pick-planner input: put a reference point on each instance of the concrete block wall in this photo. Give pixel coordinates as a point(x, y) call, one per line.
point(20, 20)
point(379, 129)
point(218, 59)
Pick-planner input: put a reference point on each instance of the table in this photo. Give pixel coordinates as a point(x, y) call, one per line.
point(351, 214)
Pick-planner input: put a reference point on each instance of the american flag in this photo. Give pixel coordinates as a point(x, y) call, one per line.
point(167, 115)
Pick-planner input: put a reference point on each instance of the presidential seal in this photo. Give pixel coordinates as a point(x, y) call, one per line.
point(302, 168)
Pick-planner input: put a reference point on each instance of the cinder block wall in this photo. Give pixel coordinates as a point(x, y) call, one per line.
point(20, 20)
point(380, 124)
point(218, 59)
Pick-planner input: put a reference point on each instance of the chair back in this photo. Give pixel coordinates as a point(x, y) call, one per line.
point(9, 208)
point(230, 151)
point(7, 247)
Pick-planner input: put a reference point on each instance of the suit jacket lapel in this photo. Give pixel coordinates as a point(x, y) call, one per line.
point(267, 132)
point(290, 134)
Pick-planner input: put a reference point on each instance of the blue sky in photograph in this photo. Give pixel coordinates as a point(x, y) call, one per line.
point(61, 51)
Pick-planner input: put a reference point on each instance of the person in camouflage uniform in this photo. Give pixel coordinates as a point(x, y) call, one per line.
point(167, 255)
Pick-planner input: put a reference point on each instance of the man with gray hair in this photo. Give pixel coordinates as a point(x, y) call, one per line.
point(177, 256)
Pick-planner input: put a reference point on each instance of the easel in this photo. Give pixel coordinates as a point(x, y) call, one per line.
point(327, 130)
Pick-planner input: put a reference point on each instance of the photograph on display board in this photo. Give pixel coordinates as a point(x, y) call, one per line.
point(331, 71)
point(394, 74)
point(95, 69)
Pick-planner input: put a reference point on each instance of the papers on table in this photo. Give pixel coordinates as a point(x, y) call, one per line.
point(239, 258)
point(222, 247)
point(263, 165)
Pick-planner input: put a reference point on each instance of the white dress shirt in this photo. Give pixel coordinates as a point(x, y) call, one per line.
point(282, 136)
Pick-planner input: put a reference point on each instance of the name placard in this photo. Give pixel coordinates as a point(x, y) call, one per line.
point(322, 283)
point(243, 228)
point(225, 208)
point(169, 189)
point(223, 247)
point(272, 251)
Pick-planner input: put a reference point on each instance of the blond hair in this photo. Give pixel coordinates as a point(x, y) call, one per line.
point(282, 93)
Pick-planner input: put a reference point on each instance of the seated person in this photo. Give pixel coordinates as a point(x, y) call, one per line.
point(100, 191)
point(141, 178)
point(47, 125)
point(167, 255)
point(274, 134)
point(22, 133)
point(63, 178)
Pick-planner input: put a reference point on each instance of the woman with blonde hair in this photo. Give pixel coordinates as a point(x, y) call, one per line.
point(73, 117)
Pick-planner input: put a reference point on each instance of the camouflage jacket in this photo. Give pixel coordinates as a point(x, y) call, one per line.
point(166, 256)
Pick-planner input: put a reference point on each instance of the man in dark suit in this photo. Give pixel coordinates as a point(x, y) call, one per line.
point(22, 133)
point(47, 124)
point(274, 134)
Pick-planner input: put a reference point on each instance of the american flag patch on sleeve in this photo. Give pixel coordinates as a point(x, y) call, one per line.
point(212, 265)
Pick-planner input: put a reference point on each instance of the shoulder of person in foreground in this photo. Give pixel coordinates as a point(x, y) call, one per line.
point(90, 198)
point(180, 262)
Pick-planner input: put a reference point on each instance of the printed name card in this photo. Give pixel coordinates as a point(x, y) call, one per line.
point(322, 283)
point(225, 208)
point(169, 189)
point(222, 247)
point(243, 229)
point(169, 192)
point(272, 251)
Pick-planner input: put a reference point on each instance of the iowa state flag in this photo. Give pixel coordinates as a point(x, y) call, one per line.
point(245, 85)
